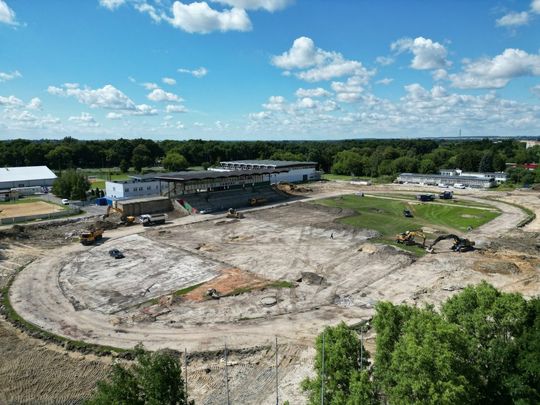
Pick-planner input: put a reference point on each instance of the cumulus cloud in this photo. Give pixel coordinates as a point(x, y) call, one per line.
point(497, 72)
point(386, 81)
point(427, 54)
point(349, 91)
point(513, 19)
point(34, 104)
point(169, 80)
point(175, 108)
point(150, 10)
point(4, 76)
point(114, 116)
point(316, 64)
point(535, 6)
point(150, 86)
point(7, 15)
point(144, 109)
point(384, 60)
point(199, 17)
point(198, 73)
point(160, 95)
point(111, 4)
point(317, 92)
point(85, 119)
point(268, 5)
point(11, 101)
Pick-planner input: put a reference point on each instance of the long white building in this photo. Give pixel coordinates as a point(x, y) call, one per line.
point(296, 171)
point(26, 176)
point(134, 188)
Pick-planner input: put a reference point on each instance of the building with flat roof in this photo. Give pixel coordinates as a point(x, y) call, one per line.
point(437, 179)
point(26, 176)
point(137, 187)
point(291, 171)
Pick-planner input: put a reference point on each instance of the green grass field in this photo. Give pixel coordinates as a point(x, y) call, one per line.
point(386, 216)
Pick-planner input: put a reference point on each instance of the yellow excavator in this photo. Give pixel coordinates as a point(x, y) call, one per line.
point(126, 220)
point(409, 238)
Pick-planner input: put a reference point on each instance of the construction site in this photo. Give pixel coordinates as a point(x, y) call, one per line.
point(239, 265)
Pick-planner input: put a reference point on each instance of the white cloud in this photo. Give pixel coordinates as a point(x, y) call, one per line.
point(169, 80)
point(199, 17)
point(34, 104)
point(4, 77)
point(349, 91)
point(150, 10)
point(317, 92)
point(171, 108)
point(268, 5)
point(497, 72)
point(11, 101)
point(111, 4)
point(535, 6)
point(427, 54)
point(513, 19)
point(198, 73)
point(7, 15)
point(108, 97)
point(306, 102)
point(85, 119)
point(536, 90)
point(144, 109)
point(160, 95)
point(439, 74)
point(384, 60)
point(114, 116)
point(386, 81)
point(275, 103)
point(150, 86)
point(320, 64)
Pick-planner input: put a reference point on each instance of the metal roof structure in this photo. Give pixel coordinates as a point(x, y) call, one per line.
point(273, 163)
point(455, 179)
point(207, 174)
point(25, 173)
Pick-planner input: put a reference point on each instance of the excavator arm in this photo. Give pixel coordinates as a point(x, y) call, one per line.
point(460, 244)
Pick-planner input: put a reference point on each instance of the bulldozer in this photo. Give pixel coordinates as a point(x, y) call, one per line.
point(460, 244)
point(409, 238)
point(232, 213)
point(90, 237)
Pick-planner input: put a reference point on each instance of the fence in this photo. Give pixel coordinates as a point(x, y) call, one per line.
point(52, 215)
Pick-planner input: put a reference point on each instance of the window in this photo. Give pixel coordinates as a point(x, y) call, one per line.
point(127, 189)
point(148, 188)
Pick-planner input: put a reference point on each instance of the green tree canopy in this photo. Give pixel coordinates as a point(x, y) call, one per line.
point(175, 162)
point(71, 184)
point(155, 379)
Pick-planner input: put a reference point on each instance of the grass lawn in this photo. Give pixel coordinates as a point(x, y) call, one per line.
point(455, 200)
point(386, 216)
point(99, 182)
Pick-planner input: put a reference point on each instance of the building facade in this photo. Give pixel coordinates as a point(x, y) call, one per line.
point(26, 176)
point(292, 171)
point(437, 179)
point(135, 188)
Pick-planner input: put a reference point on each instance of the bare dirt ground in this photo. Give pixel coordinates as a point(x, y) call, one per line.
point(82, 293)
point(31, 208)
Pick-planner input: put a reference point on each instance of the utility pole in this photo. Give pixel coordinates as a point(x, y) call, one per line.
point(227, 376)
point(185, 375)
point(322, 373)
point(277, 377)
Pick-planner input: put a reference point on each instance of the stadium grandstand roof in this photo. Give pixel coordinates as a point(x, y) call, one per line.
point(274, 163)
point(207, 174)
point(25, 173)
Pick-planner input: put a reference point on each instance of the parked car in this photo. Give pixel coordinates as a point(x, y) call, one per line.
point(65, 201)
point(116, 254)
point(459, 186)
point(407, 214)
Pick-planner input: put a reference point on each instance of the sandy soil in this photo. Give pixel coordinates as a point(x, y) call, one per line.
point(33, 208)
point(269, 244)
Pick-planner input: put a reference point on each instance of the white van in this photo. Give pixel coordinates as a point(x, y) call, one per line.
point(460, 186)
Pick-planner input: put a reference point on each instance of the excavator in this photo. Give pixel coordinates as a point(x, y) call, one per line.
point(232, 213)
point(409, 238)
point(126, 220)
point(460, 244)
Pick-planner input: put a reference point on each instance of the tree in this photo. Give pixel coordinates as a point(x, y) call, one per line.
point(71, 184)
point(141, 157)
point(175, 162)
point(349, 162)
point(155, 379)
point(486, 163)
point(124, 166)
point(342, 361)
point(427, 166)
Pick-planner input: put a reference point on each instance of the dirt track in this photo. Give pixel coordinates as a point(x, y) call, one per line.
point(275, 244)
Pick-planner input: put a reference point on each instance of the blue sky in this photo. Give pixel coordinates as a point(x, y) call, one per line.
point(268, 69)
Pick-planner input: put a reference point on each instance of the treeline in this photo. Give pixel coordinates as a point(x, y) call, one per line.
point(483, 347)
point(372, 158)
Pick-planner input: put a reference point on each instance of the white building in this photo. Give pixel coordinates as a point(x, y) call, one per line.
point(26, 176)
point(135, 188)
point(296, 171)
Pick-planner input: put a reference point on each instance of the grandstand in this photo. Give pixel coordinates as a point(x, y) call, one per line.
point(206, 191)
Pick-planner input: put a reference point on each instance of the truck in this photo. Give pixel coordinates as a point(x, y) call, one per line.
point(425, 197)
point(256, 201)
point(446, 195)
point(152, 219)
point(91, 237)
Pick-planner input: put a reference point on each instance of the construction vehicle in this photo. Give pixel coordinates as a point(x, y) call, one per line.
point(232, 213)
point(90, 237)
point(425, 197)
point(128, 220)
point(409, 238)
point(460, 244)
point(256, 201)
point(152, 219)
